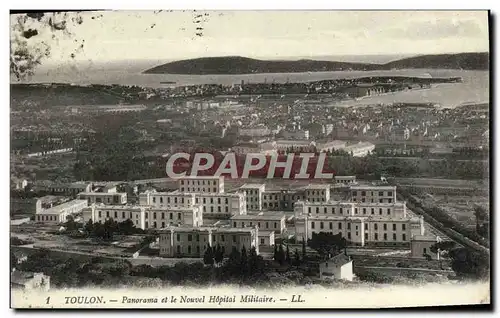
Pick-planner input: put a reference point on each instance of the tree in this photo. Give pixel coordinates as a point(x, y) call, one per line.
point(219, 255)
point(13, 260)
point(208, 257)
point(244, 260)
point(288, 259)
point(296, 258)
point(89, 226)
point(276, 256)
point(281, 255)
point(303, 249)
point(469, 264)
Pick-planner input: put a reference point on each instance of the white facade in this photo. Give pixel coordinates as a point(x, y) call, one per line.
point(266, 238)
point(421, 246)
point(264, 221)
point(345, 180)
point(380, 194)
point(192, 242)
point(254, 192)
point(146, 217)
point(362, 230)
point(59, 213)
point(213, 205)
point(317, 193)
point(205, 184)
point(338, 267)
point(110, 198)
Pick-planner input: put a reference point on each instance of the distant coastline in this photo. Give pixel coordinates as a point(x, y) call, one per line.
point(231, 65)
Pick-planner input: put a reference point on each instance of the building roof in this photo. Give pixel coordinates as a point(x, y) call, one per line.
point(339, 260)
point(21, 278)
point(317, 186)
point(252, 186)
point(425, 238)
point(266, 233)
point(345, 177)
point(260, 216)
point(61, 207)
point(102, 194)
point(372, 187)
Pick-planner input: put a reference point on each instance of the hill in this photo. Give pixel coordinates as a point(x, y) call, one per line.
point(243, 65)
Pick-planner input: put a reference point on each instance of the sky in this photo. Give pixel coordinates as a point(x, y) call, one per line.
point(111, 36)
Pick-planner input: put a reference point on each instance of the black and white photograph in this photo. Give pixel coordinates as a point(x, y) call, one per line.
point(191, 159)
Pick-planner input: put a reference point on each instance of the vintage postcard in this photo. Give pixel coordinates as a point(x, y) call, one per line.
point(249, 159)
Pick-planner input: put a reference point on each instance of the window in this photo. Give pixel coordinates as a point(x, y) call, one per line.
point(404, 237)
point(123, 215)
point(364, 210)
point(375, 226)
point(403, 226)
point(234, 224)
point(178, 237)
point(222, 238)
point(354, 193)
point(376, 236)
point(380, 211)
point(394, 227)
point(154, 215)
point(355, 210)
point(340, 226)
point(393, 236)
point(317, 210)
point(179, 216)
point(147, 215)
point(324, 210)
point(385, 227)
point(197, 249)
point(381, 194)
point(348, 226)
point(154, 199)
point(321, 225)
point(341, 212)
point(348, 235)
point(388, 211)
point(389, 200)
point(100, 214)
point(275, 225)
point(309, 209)
point(373, 211)
point(162, 224)
point(163, 215)
point(389, 193)
point(267, 225)
point(242, 224)
point(161, 199)
point(363, 193)
point(171, 216)
point(234, 238)
point(178, 249)
point(197, 237)
point(312, 225)
point(385, 236)
point(366, 236)
point(331, 225)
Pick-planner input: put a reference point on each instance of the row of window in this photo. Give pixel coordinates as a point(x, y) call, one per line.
point(380, 193)
point(258, 224)
point(188, 189)
point(373, 201)
point(48, 217)
point(171, 215)
point(332, 210)
point(375, 226)
point(375, 237)
point(199, 182)
point(175, 201)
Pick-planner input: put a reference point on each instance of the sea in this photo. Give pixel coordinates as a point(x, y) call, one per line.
point(473, 90)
